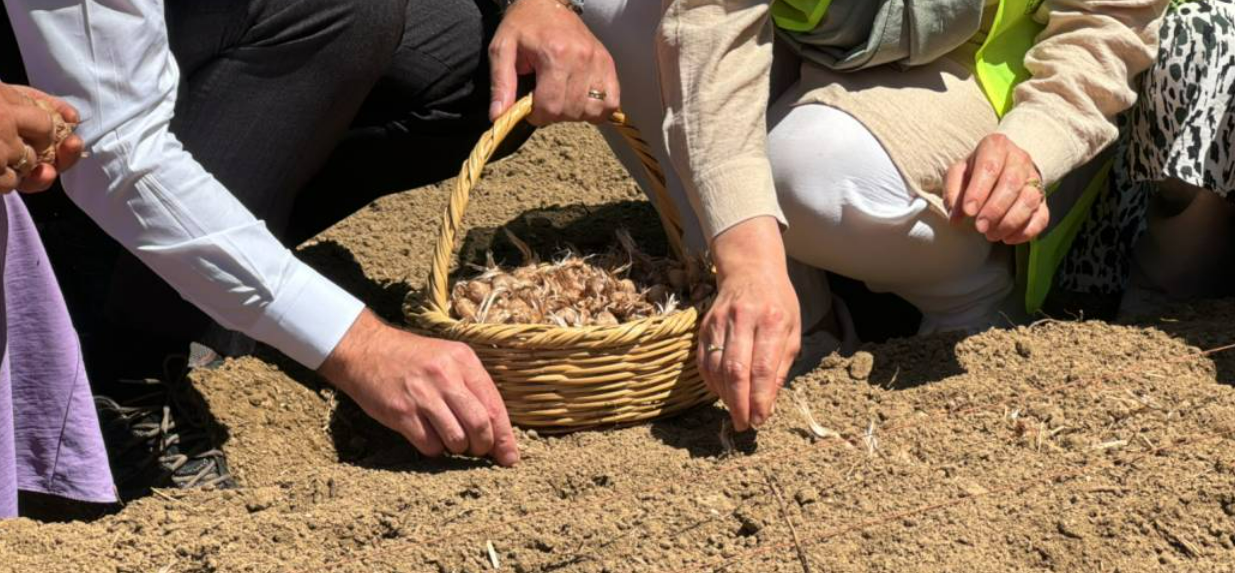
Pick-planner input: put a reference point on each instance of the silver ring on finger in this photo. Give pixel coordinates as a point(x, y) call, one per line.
point(710, 348)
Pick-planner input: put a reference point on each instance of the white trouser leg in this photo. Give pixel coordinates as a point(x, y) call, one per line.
point(628, 31)
point(627, 28)
point(850, 212)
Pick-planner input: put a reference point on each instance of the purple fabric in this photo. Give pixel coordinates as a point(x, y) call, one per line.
point(49, 433)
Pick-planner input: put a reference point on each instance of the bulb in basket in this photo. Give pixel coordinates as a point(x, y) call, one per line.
point(620, 286)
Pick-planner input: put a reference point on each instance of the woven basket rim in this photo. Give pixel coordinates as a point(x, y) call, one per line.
point(434, 316)
point(534, 336)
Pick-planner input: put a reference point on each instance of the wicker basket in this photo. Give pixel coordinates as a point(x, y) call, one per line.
point(557, 379)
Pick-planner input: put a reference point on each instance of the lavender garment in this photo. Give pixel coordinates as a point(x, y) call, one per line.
point(49, 433)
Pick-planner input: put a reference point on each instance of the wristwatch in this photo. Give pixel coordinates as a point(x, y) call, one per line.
point(575, 6)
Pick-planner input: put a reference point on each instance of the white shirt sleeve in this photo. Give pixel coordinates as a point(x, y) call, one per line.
point(111, 60)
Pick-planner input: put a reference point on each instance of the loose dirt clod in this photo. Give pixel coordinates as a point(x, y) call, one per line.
point(620, 286)
point(861, 365)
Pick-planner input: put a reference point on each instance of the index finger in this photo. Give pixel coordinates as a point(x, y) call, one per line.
point(505, 450)
point(34, 125)
point(953, 182)
point(613, 88)
point(503, 76)
point(66, 111)
point(985, 166)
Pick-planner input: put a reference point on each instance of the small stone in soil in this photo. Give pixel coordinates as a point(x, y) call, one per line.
point(750, 525)
point(861, 365)
point(806, 496)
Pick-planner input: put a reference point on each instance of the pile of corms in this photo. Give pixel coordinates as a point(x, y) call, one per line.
point(620, 286)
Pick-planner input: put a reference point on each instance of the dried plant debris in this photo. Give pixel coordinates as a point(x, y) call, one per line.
point(61, 130)
point(620, 286)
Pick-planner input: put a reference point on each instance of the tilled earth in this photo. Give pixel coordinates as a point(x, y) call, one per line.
point(1062, 446)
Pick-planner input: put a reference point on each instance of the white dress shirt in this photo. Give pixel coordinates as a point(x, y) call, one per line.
point(111, 60)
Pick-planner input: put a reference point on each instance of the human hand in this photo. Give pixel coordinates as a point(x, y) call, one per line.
point(30, 134)
point(433, 392)
point(753, 331)
point(545, 38)
point(1000, 186)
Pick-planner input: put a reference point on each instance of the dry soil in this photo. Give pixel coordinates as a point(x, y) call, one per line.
point(1058, 447)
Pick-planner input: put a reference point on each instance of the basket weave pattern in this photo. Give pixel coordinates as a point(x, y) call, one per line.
point(559, 379)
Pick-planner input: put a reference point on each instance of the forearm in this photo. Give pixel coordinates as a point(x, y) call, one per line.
point(110, 59)
point(1084, 66)
point(715, 60)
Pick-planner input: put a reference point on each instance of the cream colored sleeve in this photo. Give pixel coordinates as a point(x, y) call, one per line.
point(1084, 65)
point(715, 58)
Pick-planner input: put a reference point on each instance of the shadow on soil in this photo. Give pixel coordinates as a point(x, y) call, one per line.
point(699, 430)
point(1204, 324)
point(360, 440)
point(339, 265)
point(550, 231)
point(905, 363)
point(887, 324)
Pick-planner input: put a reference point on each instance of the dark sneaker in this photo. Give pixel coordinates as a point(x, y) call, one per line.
point(160, 438)
point(202, 357)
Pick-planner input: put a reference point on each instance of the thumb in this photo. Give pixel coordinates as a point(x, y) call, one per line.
point(953, 184)
point(503, 77)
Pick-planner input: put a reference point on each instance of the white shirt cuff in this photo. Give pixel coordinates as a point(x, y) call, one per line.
point(309, 319)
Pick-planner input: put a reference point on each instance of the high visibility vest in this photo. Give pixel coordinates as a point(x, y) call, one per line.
point(1000, 60)
point(999, 66)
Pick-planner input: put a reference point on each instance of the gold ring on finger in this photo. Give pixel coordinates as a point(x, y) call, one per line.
point(1036, 184)
point(597, 94)
point(22, 165)
point(714, 348)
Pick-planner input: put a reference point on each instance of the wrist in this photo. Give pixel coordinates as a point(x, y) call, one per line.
point(353, 350)
point(753, 246)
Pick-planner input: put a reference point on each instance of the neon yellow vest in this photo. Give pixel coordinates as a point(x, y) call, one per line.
point(1000, 60)
point(1000, 66)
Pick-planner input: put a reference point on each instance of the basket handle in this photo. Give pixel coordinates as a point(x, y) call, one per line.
point(469, 175)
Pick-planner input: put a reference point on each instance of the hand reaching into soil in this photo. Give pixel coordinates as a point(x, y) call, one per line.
point(575, 76)
point(433, 392)
point(753, 331)
point(1000, 186)
point(36, 138)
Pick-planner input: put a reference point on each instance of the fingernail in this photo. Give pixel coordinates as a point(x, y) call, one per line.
point(971, 208)
point(981, 225)
point(495, 108)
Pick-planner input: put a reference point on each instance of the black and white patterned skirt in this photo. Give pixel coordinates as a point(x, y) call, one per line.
point(1182, 128)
